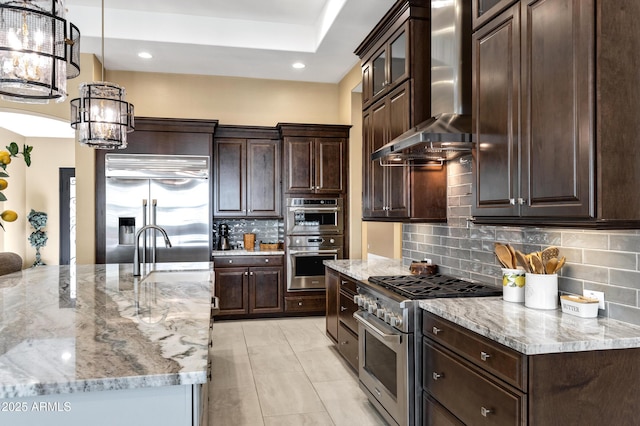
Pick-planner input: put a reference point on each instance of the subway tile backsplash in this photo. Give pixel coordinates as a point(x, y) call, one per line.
point(606, 261)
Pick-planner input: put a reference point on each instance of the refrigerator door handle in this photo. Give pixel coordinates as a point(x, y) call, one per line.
point(154, 204)
point(144, 236)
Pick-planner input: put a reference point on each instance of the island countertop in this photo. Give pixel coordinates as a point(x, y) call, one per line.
point(78, 329)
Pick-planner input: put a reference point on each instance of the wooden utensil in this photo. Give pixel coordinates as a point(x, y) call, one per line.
point(514, 260)
point(504, 255)
point(522, 260)
point(550, 266)
point(536, 263)
point(560, 264)
point(548, 253)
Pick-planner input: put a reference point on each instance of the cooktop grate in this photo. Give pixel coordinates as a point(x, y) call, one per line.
point(432, 286)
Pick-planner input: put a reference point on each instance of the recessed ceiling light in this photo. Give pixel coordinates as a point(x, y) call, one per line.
point(298, 65)
point(145, 55)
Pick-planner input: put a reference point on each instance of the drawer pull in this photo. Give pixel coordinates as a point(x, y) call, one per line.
point(266, 261)
point(436, 376)
point(299, 303)
point(436, 330)
point(485, 411)
point(484, 356)
point(342, 309)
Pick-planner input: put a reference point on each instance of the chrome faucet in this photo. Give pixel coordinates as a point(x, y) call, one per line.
point(136, 255)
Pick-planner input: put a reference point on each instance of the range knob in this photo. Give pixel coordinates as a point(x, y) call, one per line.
point(396, 321)
point(372, 307)
point(387, 317)
point(381, 313)
point(356, 299)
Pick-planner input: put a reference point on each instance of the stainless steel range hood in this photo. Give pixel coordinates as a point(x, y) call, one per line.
point(448, 134)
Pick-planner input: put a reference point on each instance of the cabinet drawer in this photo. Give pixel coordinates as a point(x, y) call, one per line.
point(434, 414)
point(497, 359)
point(349, 285)
point(346, 310)
point(471, 395)
point(225, 261)
point(348, 345)
point(305, 304)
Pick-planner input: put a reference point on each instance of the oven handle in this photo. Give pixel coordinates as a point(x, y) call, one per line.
point(390, 338)
point(312, 252)
point(315, 209)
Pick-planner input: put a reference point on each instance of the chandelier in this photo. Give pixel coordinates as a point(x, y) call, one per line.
point(38, 53)
point(101, 116)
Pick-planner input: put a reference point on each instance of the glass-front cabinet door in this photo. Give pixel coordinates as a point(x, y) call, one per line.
point(398, 58)
point(379, 72)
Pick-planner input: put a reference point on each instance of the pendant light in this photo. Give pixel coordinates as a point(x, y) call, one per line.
point(36, 56)
point(101, 116)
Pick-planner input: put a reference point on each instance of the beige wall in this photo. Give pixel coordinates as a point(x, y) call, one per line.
point(226, 99)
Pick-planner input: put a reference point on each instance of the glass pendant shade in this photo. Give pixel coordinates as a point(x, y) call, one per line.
point(38, 53)
point(101, 116)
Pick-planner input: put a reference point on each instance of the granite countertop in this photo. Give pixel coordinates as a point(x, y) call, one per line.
point(533, 331)
point(526, 330)
point(247, 253)
point(360, 269)
point(77, 329)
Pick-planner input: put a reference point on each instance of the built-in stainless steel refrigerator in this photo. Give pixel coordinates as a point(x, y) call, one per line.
point(171, 191)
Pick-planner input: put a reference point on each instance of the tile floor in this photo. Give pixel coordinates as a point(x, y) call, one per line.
point(282, 372)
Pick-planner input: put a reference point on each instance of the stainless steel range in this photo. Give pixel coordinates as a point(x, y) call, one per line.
point(388, 325)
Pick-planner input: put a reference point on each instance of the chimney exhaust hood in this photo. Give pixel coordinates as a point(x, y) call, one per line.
point(448, 134)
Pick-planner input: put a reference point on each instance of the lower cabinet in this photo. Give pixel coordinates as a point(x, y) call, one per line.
point(469, 379)
point(342, 328)
point(249, 285)
point(304, 304)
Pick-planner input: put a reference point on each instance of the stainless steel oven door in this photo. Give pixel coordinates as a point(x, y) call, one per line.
point(385, 363)
point(305, 267)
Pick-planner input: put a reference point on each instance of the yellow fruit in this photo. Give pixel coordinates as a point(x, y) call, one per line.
point(9, 215)
point(520, 280)
point(5, 157)
point(3, 184)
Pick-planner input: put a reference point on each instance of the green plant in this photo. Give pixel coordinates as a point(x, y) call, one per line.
point(5, 159)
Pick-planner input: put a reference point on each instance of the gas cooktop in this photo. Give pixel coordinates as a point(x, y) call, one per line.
point(432, 286)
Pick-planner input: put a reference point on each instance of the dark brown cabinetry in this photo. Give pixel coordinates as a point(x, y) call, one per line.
point(248, 285)
point(396, 96)
point(552, 148)
point(469, 379)
point(484, 10)
point(341, 326)
point(247, 164)
point(315, 158)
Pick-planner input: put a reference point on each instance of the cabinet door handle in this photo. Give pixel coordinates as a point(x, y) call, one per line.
point(343, 343)
point(512, 201)
point(246, 274)
point(436, 376)
point(299, 303)
point(485, 411)
point(484, 356)
point(436, 330)
point(522, 201)
point(342, 309)
point(251, 273)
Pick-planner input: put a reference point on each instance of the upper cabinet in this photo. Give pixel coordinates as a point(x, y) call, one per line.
point(556, 129)
point(396, 95)
point(315, 158)
point(247, 164)
point(485, 10)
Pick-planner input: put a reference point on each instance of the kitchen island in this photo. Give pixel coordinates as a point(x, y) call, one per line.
point(92, 344)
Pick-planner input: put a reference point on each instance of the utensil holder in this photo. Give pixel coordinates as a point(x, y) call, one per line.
point(513, 285)
point(541, 291)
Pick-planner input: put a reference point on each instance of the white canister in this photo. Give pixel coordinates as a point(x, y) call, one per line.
point(513, 283)
point(541, 291)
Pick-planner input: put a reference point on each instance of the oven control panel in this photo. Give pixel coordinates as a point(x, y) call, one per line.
point(389, 311)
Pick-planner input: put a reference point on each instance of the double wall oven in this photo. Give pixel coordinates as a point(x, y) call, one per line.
point(389, 337)
point(314, 230)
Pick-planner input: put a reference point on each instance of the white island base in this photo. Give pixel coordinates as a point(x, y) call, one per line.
point(152, 406)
